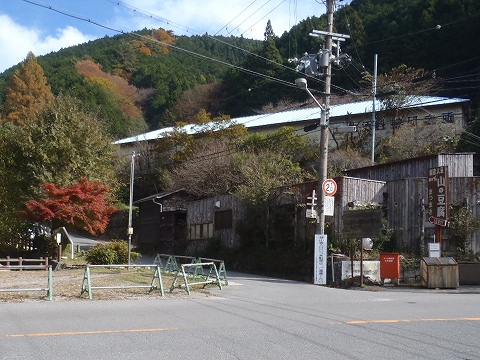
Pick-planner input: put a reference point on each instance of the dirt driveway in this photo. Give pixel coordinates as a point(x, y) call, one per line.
point(67, 285)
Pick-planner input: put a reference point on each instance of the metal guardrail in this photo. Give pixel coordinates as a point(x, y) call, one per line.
point(171, 263)
point(220, 264)
point(87, 280)
point(207, 279)
point(48, 289)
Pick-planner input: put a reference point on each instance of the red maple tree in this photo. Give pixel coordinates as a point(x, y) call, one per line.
point(84, 205)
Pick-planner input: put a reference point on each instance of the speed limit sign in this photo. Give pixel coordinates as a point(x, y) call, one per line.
point(329, 187)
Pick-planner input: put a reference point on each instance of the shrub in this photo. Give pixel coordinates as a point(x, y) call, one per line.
point(115, 252)
point(121, 249)
point(101, 255)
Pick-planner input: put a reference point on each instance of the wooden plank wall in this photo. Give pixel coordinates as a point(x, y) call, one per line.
point(407, 218)
point(203, 212)
point(467, 191)
point(359, 192)
point(459, 165)
point(404, 212)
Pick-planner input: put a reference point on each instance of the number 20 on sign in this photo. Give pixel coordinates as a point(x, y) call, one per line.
point(329, 187)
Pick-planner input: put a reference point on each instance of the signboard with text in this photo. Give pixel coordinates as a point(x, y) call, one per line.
point(320, 255)
point(438, 204)
point(312, 212)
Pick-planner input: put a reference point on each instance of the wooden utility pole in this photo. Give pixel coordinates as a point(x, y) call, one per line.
point(323, 163)
point(320, 64)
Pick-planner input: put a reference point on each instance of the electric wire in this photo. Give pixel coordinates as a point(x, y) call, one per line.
point(236, 27)
point(251, 72)
point(263, 17)
point(225, 26)
point(133, 34)
point(169, 45)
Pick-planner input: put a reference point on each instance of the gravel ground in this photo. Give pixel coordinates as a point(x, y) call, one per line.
point(67, 285)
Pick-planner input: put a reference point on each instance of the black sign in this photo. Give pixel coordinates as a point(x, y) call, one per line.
point(362, 223)
point(438, 208)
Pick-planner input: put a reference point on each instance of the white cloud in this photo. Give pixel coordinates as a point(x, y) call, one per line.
point(16, 41)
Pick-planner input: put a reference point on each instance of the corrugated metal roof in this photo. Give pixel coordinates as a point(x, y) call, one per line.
point(306, 114)
point(158, 196)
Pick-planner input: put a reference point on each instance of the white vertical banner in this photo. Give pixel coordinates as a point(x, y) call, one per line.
point(329, 205)
point(320, 270)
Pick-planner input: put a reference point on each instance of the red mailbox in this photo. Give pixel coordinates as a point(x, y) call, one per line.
point(389, 266)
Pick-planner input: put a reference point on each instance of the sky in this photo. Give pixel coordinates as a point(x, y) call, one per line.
point(44, 26)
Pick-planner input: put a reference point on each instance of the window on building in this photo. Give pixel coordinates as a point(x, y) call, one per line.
point(223, 219)
point(201, 231)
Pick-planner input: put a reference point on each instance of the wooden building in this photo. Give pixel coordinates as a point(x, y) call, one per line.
point(162, 222)
point(459, 165)
point(210, 218)
point(407, 215)
point(400, 189)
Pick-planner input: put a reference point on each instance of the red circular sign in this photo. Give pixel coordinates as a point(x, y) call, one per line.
point(329, 187)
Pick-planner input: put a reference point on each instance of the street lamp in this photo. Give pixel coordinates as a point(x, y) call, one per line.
point(322, 164)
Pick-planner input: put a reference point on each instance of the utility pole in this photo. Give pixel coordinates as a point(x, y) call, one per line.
point(320, 64)
point(374, 93)
point(323, 165)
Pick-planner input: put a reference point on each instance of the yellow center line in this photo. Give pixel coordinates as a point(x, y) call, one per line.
point(93, 332)
point(352, 322)
point(392, 321)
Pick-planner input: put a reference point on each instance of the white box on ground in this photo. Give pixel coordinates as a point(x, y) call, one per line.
point(371, 269)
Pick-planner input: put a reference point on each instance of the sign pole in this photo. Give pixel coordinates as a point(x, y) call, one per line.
point(361, 263)
point(438, 231)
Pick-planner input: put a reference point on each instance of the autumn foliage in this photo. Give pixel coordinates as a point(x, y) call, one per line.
point(28, 93)
point(84, 205)
point(117, 86)
point(164, 38)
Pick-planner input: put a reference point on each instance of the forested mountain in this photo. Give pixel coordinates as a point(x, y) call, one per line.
point(151, 78)
point(133, 79)
point(60, 112)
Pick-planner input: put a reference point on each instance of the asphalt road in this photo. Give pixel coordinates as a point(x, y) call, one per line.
point(251, 318)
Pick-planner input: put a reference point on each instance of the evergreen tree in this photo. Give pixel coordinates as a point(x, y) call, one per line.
point(28, 93)
point(269, 34)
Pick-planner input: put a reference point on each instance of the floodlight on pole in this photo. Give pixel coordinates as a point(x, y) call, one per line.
point(302, 84)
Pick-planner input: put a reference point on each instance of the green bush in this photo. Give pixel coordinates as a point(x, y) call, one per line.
point(101, 255)
point(115, 252)
point(121, 249)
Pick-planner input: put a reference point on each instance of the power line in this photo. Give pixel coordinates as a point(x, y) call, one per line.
point(251, 72)
point(248, 71)
point(263, 17)
point(225, 26)
point(236, 27)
